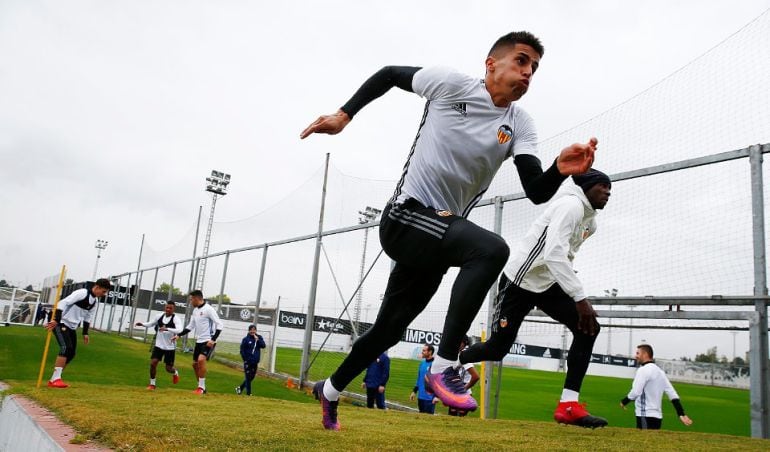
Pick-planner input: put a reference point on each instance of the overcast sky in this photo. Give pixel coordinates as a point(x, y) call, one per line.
point(112, 113)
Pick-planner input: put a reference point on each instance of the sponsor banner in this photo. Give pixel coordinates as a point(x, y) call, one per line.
point(613, 360)
point(535, 350)
point(323, 324)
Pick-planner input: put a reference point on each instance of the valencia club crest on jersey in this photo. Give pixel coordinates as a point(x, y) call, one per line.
point(504, 134)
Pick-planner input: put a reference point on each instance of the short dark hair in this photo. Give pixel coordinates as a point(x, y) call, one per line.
point(252, 326)
point(104, 283)
point(171, 302)
point(647, 349)
point(430, 347)
point(517, 37)
point(196, 293)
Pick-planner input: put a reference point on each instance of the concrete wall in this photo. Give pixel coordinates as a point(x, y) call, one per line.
point(18, 432)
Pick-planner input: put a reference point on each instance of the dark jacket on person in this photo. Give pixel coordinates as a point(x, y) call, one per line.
point(250, 348)
point(378, 372)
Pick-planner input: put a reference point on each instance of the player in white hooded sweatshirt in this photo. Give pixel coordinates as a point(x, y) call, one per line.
point(540, 274)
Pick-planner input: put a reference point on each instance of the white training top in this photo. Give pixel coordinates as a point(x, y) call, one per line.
point(462, 141)
point(204, 321)
point(465, 375)
point(72, 312)
point(647, 390)
point(163, 338)
point(545, 254)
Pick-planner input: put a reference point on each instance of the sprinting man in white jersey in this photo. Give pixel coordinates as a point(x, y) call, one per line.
point(470, 126)
point(647, 391)
point(207, 326)
point(166, 326)
point(540, 274)
point(73, 310)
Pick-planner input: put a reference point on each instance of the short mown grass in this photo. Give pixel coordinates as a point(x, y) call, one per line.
point(107, 402)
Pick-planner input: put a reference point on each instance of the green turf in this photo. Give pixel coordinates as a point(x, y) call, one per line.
point(108, 402)
point(532, 395)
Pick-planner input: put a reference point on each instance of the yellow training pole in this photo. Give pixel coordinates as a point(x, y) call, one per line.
point(482, 411)
point(48, 336)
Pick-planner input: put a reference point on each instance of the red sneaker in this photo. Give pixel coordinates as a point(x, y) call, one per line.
point(175, 378)
point(200, 391)
point(574, 413)
point(150, 387)
point(58, 383)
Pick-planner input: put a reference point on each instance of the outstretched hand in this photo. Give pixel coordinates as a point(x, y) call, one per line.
point(577, 158)
point(685, 420)
point(328, 124)
point(586, 317)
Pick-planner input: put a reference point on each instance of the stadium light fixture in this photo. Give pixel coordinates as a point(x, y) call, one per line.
point(100, 245)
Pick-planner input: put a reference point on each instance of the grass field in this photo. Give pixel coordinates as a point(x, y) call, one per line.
point(107, 402)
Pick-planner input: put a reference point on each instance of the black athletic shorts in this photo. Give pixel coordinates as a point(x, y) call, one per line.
point(167, 356)
point(67, 339)
point(648, 423)
point(202, 349)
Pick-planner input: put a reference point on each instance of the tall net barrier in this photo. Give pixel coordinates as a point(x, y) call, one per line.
point(20, 307)
point(679, 231)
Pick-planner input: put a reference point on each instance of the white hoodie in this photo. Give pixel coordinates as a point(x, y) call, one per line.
point(545, 254)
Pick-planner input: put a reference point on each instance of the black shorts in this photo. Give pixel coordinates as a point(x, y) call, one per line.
point(166, 355)
point(413, 234)
point(648, 423)
point(67, 339)
point(202, 349)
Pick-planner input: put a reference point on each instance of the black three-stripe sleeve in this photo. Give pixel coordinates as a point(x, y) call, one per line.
point(539, 185)
point(379, 84)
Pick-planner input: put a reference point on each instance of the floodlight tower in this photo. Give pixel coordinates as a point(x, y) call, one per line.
point(216, 184)
point(367, 216)
point(100, 245)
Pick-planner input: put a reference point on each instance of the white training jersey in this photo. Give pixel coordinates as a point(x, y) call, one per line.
point(647, 390)
point(465, 374)
point(462, 141)
point(75, 308)
point(204, 321)
point(163, 338)
point(545, 254)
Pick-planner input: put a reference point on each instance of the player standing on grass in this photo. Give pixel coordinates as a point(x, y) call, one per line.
point(207, 326)
point(469, 127)
point(166, 327)
point(540, 274)
point(70, 312)
point(650, 382)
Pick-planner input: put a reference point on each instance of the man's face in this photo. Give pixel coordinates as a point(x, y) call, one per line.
point(98, 291)
point(598, 195)
point(253, 331)
point(196, 301)
point(169, 309)
point(426, 352)
point(510, 70)
point(641, 356)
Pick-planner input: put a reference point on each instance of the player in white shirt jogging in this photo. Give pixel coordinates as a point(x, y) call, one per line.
point(166, 326)
point(469, 128)
point(207, 326)
point(70, 312)
point(647, 391)
point(540, 274)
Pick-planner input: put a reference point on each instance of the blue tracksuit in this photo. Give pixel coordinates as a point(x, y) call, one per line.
point(250, 353)
point(424, 400)
point(377, 374)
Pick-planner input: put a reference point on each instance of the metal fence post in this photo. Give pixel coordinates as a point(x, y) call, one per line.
point(760, 391)
point(149, 306)
point(222, 286)
point(489, 369)
point(259, 286)
point(132, 314)
point(310, 319)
